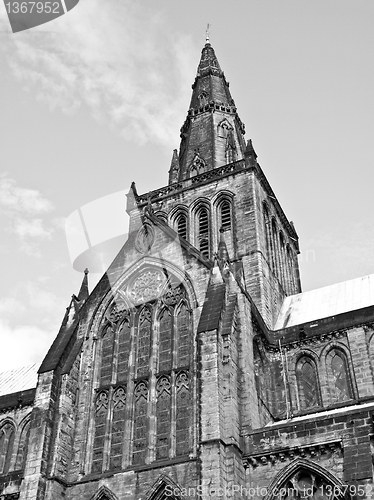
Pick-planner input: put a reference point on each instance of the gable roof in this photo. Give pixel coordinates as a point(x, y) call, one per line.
point(327, 301)
point(18, 379)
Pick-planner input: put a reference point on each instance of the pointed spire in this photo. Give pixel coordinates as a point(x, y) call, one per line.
point(212, 125)
point(249, 150)
point(223, 254)
point(84, 292)
point(174, 168)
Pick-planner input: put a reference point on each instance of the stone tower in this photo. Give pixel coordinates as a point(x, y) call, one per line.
point(196, 368)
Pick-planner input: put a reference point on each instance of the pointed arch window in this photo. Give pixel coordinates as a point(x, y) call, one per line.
point(203, 231)
point(101, 411)
point(165, 339)
point(6, 446)
point(307, 384)
point(163, 414)
point(107, 356)
point(181, 222)
point(142, 349)
point(307, 484)
point(225, 215)
point(140, 440)
point(340, 383)
point(144, 342)
point(183, 414)
point(22, 447)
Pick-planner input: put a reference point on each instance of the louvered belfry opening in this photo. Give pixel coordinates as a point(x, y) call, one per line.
point(203, 236)
point(225, 216)
point(182, 225)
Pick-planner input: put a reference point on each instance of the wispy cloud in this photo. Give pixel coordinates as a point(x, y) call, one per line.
point(121, 59)
point(23, 211)
point(19, 199)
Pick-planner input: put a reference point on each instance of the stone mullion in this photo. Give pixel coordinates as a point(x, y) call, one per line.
point(127, 443)
point(152, 381)
point(108, 431)
point(173, 411)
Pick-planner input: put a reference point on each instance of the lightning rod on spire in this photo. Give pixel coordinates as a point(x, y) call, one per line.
point(207, 33)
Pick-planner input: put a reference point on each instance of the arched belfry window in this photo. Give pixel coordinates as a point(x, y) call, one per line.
point(143, 376)
point(7, 433)
point(203, 235)
point(307, 383)
point(225, 215)
point(338, 375)
point(181, 225)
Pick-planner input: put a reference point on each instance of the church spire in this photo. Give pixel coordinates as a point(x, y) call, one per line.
point(212, 135)
point(83, 292)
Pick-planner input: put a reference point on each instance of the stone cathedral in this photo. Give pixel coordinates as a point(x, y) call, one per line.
point(197, 368)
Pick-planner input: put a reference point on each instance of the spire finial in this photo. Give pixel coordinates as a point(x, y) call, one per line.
point(207, 34)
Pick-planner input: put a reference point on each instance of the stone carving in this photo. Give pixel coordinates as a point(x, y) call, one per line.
point(173, 296)
point(119, 397)
point(147, 287)
point(117, 311)
point(145, 239)
point(102, 401)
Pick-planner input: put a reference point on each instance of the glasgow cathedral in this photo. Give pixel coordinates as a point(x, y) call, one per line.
point(197, 368)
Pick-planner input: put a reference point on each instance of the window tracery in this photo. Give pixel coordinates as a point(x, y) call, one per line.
point(307, 485)
point(140, 348)
point(140, 423)
point(163, 407)
point(340, 383)
point(307, 384)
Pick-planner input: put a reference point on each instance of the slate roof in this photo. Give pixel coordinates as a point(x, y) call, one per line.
point(327, 301)
point(19, 379)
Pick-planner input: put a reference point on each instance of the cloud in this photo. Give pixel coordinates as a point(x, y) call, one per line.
point(23, 210)
point(18, 199)
point(23, 345)
point(121, 59)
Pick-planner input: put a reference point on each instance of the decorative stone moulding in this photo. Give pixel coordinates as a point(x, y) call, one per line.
point(145, 239)
point(146, 287)
point(283, 455)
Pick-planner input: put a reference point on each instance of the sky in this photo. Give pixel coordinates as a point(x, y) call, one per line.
point(95, 99)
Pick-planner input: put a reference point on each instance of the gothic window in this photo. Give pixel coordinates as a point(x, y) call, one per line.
point(144, 342)
point(140, 441)
point(6, 446)
point(181, 221)
point(165, 333)
point(22, 447)
point(182, 414)
point(225, 215)
point(307, 484)
point(339, 381)
point(101, 411)
point(203, 231)
point(124, 339)
point(161, 332)
point(203, 98)
point(307, 383)
point(107, 357)
point(118, 424)
point(230, 147)
point(163, 413)
point(183, 337)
